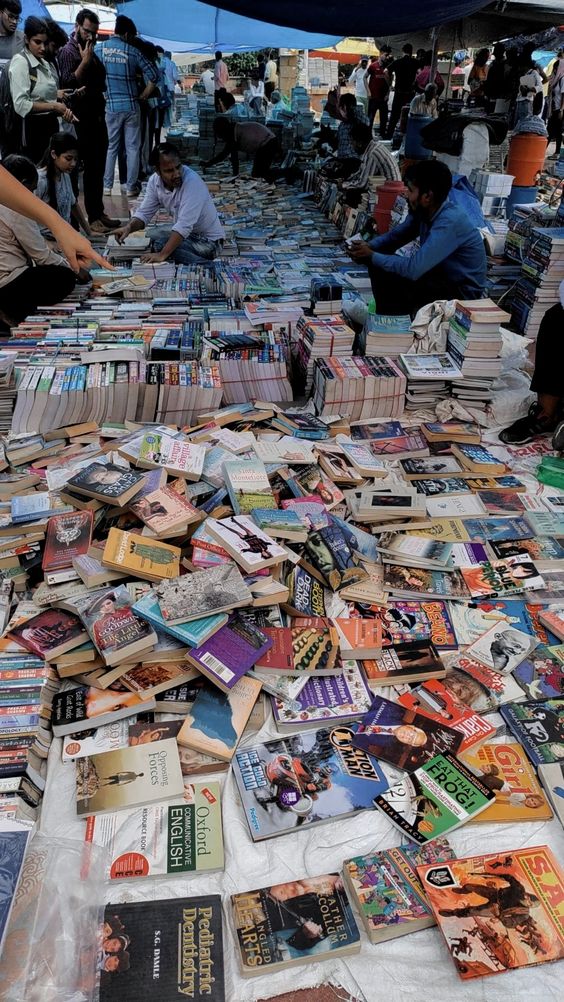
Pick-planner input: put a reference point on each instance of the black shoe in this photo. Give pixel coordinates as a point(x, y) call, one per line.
point(558, 437)
point(526, 429)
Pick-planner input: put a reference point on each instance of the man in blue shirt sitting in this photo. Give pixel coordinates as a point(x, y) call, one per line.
point(450, 262)
point(196, 233)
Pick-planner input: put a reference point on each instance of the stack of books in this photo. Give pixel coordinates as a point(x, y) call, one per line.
point(358, 387)
point(387, 335)
point(474, 343)
point(321, 338)
point(428, 379)
point(542, 271)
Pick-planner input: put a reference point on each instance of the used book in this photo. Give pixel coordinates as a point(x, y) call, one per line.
point(107, 482)
point(538, 726)
point(408, 662)
point(506, 770)
point(305, 779)
point(497, 912)
point(140, 556)
point(230, 653)
point(202, 593)
point(438, 797)
point(128, 777)
point(403, 737)
point(81, 709)
point(305, 921)
point(116, 630)
point(216, 720)
point(387, 891)
point(171, 948)
point(174, 839)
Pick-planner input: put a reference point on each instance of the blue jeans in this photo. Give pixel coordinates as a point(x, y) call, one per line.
point(128, 125)
point(192, 250)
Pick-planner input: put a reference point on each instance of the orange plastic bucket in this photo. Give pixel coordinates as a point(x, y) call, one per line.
point(526, 159)
point(387, 194)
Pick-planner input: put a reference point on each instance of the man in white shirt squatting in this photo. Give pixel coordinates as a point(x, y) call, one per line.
point(196, 232)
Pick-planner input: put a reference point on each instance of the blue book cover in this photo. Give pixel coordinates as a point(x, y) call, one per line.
point(192, 634)
point(305, 779)
point(13, 845)
point(270, 518)
point(378, 323)
point(29, 506)
point(497, 529)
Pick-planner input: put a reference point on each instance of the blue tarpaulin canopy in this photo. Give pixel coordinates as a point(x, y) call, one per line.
point(202, 28)
point(354, 17)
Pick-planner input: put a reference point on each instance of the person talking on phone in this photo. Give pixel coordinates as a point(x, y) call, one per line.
point(81, 71)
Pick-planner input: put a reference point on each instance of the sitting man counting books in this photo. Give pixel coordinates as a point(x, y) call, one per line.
point(196, 232)
point(545, 414)
point(450, 262)
point(245, 137)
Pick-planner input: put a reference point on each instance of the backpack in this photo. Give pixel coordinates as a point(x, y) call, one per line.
point(10, 122)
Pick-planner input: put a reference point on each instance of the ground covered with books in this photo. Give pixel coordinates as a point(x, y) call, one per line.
point(281, 686)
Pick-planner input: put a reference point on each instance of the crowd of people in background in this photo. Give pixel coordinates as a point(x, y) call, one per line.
point(113, 98)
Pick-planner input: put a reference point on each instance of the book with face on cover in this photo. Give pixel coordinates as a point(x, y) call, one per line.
point(506, 770)
point(174, 839)
point(167, 949)
point(128, 777)
point(305, 780)
point(498, 912)
point(216, 720)
point(230, 653)
point(140, 556)
point(249, 546)
point(78, 710)
point(49, 634)
point(434, 700)
point(202, 593)
point(107, 482)
point(502, 648)
point(403, 737)
point(305, 921)
point(436, 798)
point(116, 630)
point(541, 674)
point(420, 583)
point(404, 622)
point(165, 512)
point(67, 536)
point(481, 688)
point(329, 553)
point(387, 892)
point(502, 577)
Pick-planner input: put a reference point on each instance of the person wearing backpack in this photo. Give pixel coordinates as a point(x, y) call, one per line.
point(37, 101)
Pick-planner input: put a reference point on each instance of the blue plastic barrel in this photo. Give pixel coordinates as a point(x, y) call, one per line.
point(414, 148)
point(520, 195)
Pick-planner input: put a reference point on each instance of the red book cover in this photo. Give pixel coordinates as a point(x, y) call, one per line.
point(67, 536)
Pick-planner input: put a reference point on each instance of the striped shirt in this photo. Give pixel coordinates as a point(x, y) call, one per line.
point(123, 63)
point(376, 159)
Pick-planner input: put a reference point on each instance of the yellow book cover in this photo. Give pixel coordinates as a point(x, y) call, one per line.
point(447, 530)
point(141, 556)
point(508, 773)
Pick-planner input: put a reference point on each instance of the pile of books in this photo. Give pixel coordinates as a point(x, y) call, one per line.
point(542, 271)
point(321, 338)
point(358, 387)
point(429, 378)
point(387, 335)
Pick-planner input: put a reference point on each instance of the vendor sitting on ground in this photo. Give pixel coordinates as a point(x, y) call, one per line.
point(229, 106)
point(31, 274)
point(245, 137)
point(547, 411)
point(451, 260)
point(196, 232)
point(375, 159)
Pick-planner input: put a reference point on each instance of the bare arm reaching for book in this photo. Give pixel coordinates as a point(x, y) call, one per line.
point(76, 248)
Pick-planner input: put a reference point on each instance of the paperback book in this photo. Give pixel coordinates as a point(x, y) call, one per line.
point(230, 653)
point(128, 777)
point(305, 779)
point(438, 797)
point(538, 726)
point(116, 630)
point(174, 839)
point(203, 593)
point(387, 892)
point(334, 698)
point(476, 900)
point(403, 737)
point(408, 662)
point(508, 773)
point(81, 709)
point(216, 719)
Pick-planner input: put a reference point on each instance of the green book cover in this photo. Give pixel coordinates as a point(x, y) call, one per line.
point(438, 797)
point(175, 839)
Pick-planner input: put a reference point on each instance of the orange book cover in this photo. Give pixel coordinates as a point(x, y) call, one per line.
point(498, 912)
point(506, 770)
